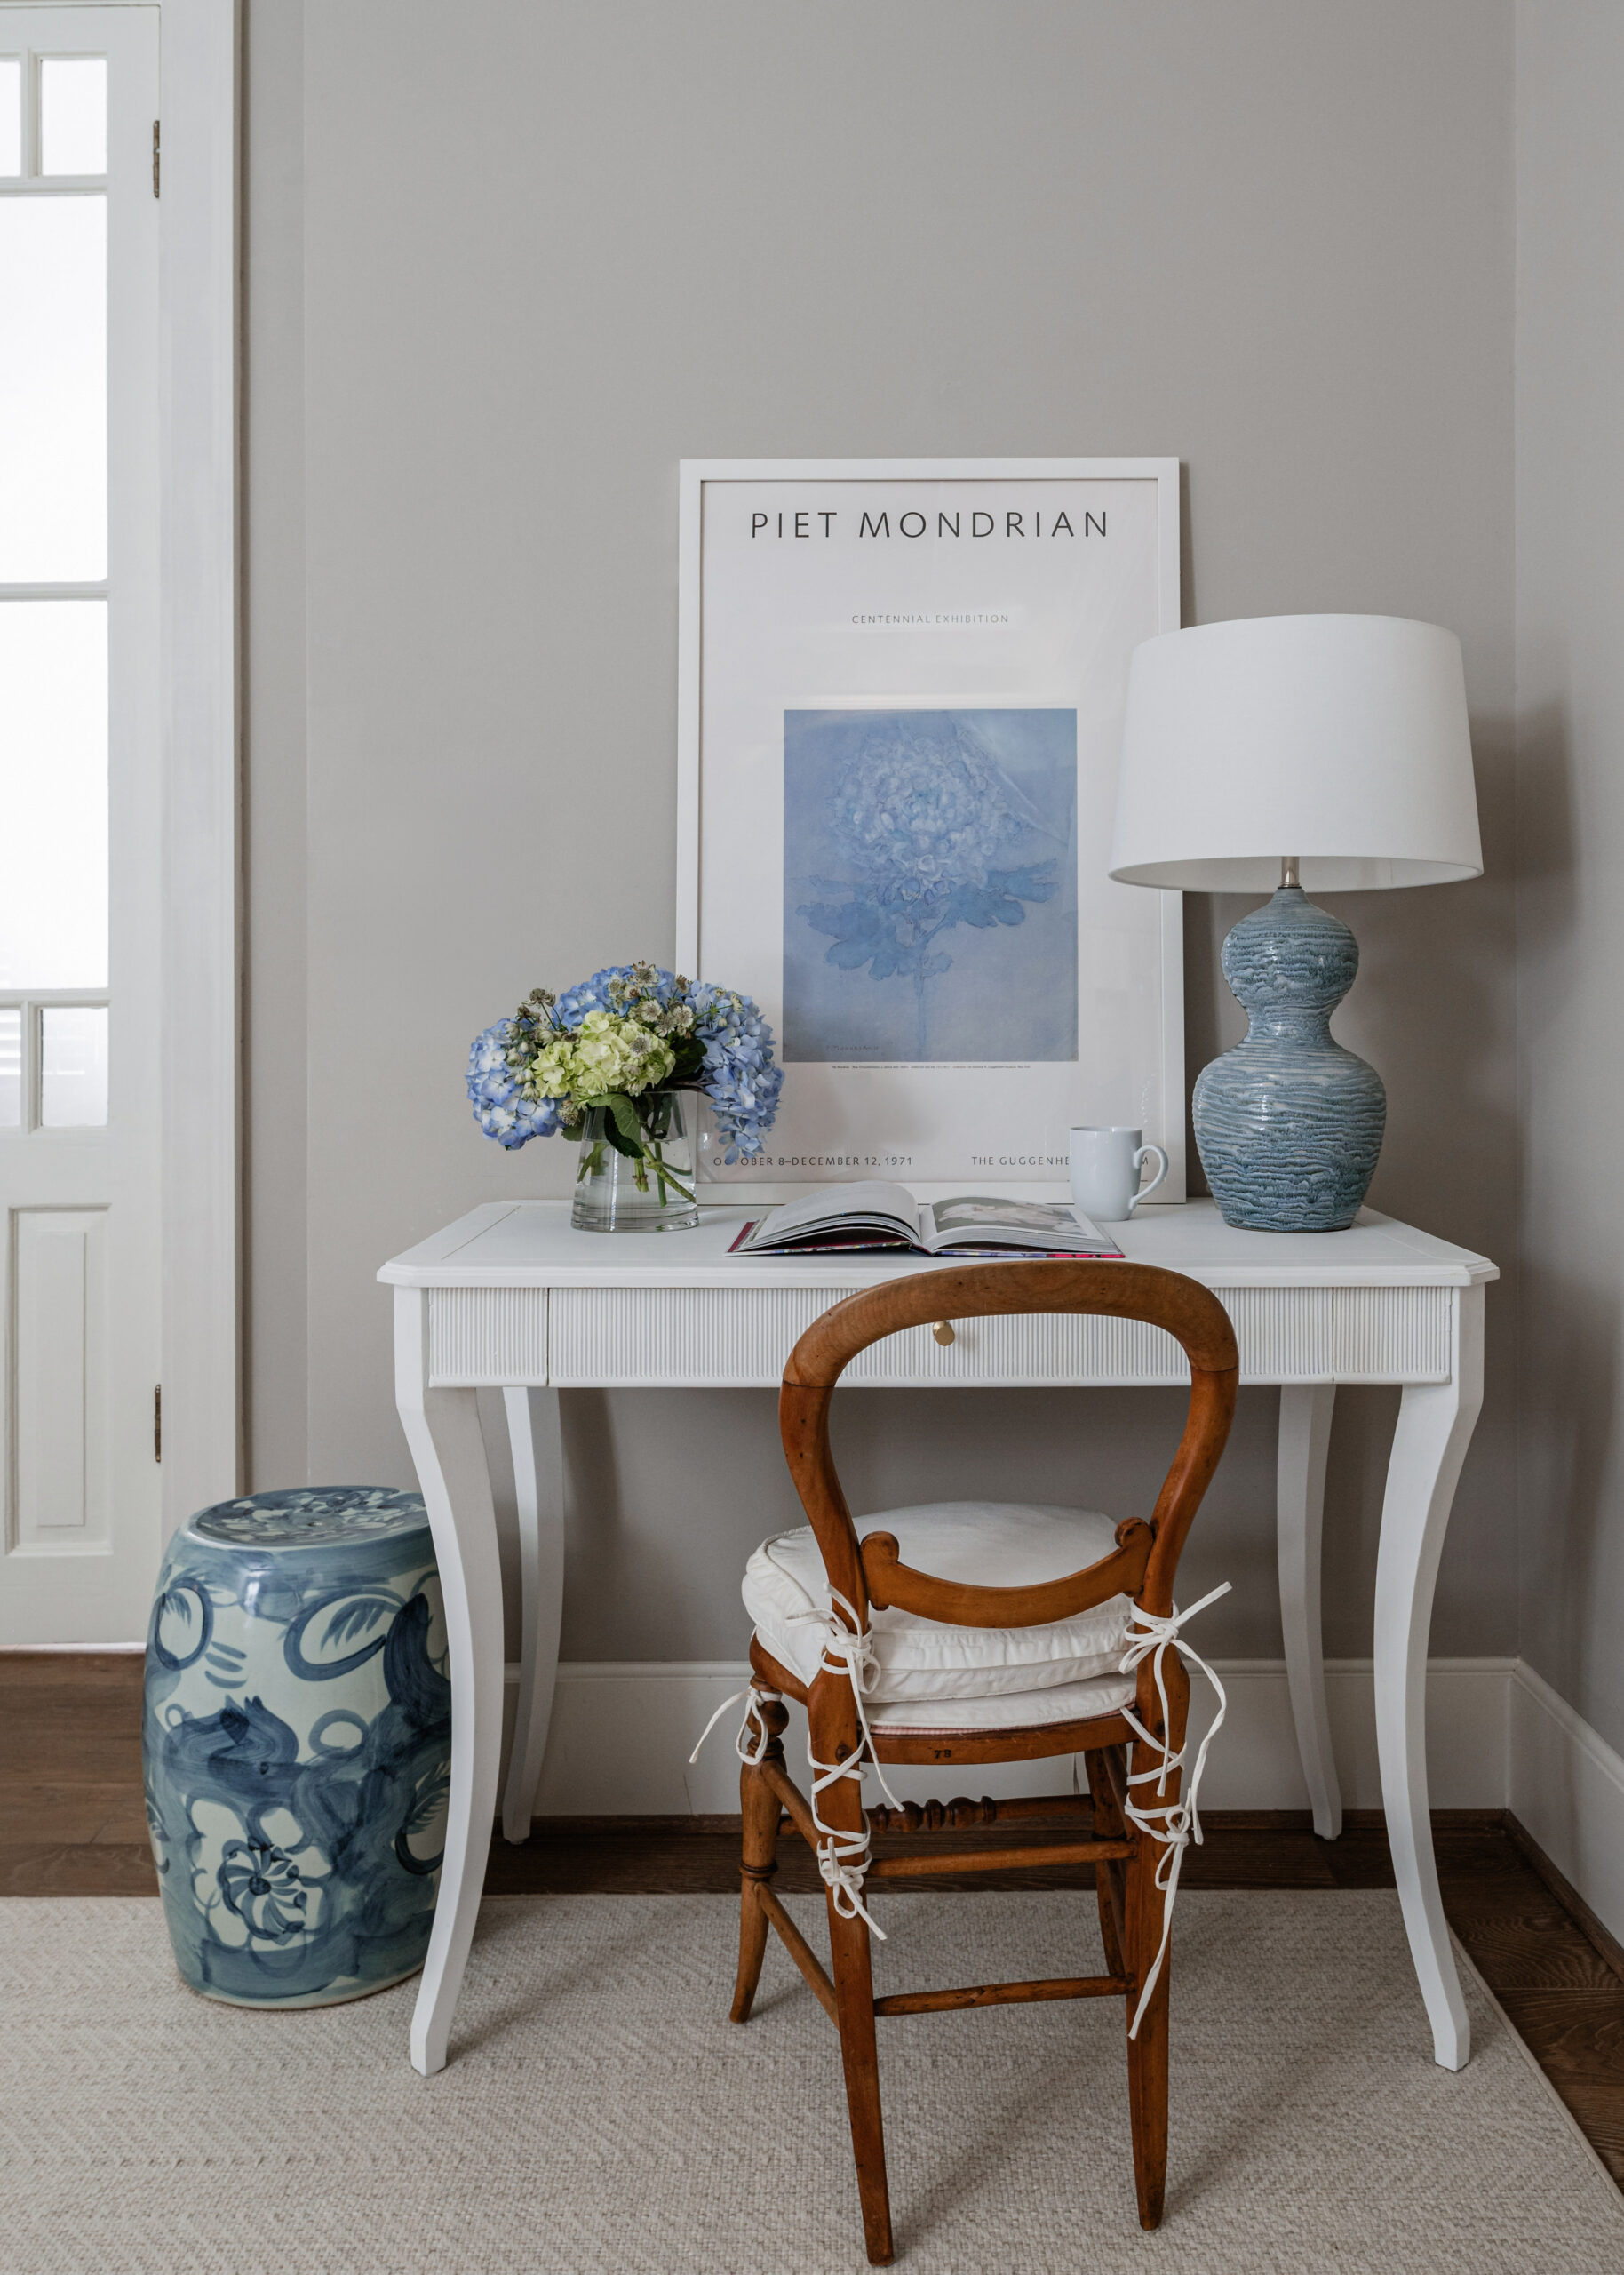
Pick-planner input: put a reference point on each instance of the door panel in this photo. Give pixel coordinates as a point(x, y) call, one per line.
point(60, 1331)
point(79, 803)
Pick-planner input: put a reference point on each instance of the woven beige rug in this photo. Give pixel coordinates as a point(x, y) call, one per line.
point(601, 2113)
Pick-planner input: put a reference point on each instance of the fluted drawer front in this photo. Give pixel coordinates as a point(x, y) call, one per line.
point(1055, 1347)
point(1393, 1335)
point(724, 1335)
point(745, 1335)
point(679, 1335)
point(487, 1335)
point(1349, 1335)
point(1284, 1333)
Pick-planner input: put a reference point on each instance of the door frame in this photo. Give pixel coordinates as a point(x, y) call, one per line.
point(199, 724)
point(197, 183)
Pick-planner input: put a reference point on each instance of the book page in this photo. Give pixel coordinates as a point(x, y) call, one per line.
point(1033, 1225)
point(982, 1213)
point(836, 1204)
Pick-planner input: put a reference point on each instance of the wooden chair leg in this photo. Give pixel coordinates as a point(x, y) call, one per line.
point(1147, 2052)
point(1108, 1827)
point(854, 1991)
point(759, 1807)
point(1143, 1908)
point(834, 1737)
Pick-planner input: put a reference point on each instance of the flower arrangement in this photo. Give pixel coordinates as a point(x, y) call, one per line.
point(598, 1060)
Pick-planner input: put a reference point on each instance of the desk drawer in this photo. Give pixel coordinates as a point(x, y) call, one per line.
point(744, 1336)
point(676, 1336)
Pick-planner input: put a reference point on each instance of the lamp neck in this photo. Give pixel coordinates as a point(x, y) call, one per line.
point(1288, 872)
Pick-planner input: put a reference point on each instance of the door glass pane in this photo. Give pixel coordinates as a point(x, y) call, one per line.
point(11, 1068)
point(73, 116)
point(11, 115)
point(53, 794)
point(73, 1066)
point(53, 389)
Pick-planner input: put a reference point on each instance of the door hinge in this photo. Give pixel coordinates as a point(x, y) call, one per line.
point(157, 1421)
point(154, 157)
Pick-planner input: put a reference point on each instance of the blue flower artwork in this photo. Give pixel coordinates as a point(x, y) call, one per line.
point(929, 885)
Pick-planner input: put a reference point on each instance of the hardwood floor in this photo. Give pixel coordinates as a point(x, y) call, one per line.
point(72, 1823)
point(72, 1820)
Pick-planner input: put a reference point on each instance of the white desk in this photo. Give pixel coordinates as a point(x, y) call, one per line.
point(510, 1298)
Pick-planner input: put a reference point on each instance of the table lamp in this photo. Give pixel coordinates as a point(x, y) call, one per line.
point(1307, 753)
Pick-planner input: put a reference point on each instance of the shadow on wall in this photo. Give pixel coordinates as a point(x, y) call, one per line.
point(1431, 1013)
point(1569, 1374)
point(1214, 1021)
point(1570, 1397)
point(669, 1491)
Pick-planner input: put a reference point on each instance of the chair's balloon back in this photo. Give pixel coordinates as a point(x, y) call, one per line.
point(1146, 1557)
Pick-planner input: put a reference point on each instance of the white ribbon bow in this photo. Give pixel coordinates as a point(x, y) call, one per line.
point(1175, 1824)
point(753, 1754)
point(842, 1856)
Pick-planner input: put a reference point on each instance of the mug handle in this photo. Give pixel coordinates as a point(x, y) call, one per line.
point(1139, 1159)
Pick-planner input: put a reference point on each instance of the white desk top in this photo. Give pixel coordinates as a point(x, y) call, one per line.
point(531, 1244)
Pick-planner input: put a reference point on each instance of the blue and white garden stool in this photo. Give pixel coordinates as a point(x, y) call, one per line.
point(296, 1738)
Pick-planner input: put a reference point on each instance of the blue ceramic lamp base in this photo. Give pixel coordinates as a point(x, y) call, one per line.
point(1288, 1124)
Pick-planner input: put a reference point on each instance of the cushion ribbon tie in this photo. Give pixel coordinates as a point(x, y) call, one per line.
point(842, 1856)
point(749, 1749)
point(1175, 1824)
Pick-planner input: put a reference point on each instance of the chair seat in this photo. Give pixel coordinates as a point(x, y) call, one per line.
point(1009, 1709)
point(989, 1544)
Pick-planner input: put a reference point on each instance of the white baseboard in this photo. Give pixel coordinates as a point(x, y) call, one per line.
point(1498, 1737)
point(79, 1650)
point(1566, 1786)
point(1254, 1763)
point(622, 1731)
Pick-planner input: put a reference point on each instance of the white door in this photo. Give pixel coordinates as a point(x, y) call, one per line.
point(79, 822)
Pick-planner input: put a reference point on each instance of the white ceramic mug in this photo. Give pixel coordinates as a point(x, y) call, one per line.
point(1105, 1165)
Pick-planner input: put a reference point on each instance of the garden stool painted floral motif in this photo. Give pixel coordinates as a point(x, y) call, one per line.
point(297, 1737)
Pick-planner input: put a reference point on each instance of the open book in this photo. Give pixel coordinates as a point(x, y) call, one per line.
point(876, 1215)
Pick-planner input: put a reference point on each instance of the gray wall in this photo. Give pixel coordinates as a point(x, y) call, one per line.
point(1570, 413)
point(508, 263)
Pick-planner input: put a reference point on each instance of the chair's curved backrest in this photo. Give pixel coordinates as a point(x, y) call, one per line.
point(1146, 1557)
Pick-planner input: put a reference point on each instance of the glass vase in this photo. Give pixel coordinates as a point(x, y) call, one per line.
point(654, 1193)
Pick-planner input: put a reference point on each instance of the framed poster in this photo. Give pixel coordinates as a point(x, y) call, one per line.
point(901, 688)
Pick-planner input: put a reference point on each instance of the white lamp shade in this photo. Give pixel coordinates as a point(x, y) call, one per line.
point(1340, 740)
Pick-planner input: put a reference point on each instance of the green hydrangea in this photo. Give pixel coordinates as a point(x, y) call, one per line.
point(605, 1053)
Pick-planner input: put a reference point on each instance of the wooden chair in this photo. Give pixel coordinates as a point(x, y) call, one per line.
point(868, 1573)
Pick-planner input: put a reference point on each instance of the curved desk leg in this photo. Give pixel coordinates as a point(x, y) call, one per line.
point(538, 1479)
point(1435, 1428)
point(443, 1429)
point(1300, 1507)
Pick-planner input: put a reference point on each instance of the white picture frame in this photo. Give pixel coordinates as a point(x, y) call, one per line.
point(778, 677)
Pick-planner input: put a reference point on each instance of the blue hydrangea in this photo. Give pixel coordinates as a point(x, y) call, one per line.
point(594, 995)
point(496, 1088)
point(923, 808)
point(737, 1075)
point(740, 1080)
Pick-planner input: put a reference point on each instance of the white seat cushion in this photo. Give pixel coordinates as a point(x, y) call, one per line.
point(989, 1544)
point(1012, 1709)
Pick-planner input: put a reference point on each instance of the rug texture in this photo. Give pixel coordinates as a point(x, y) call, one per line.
point(601, 2113)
